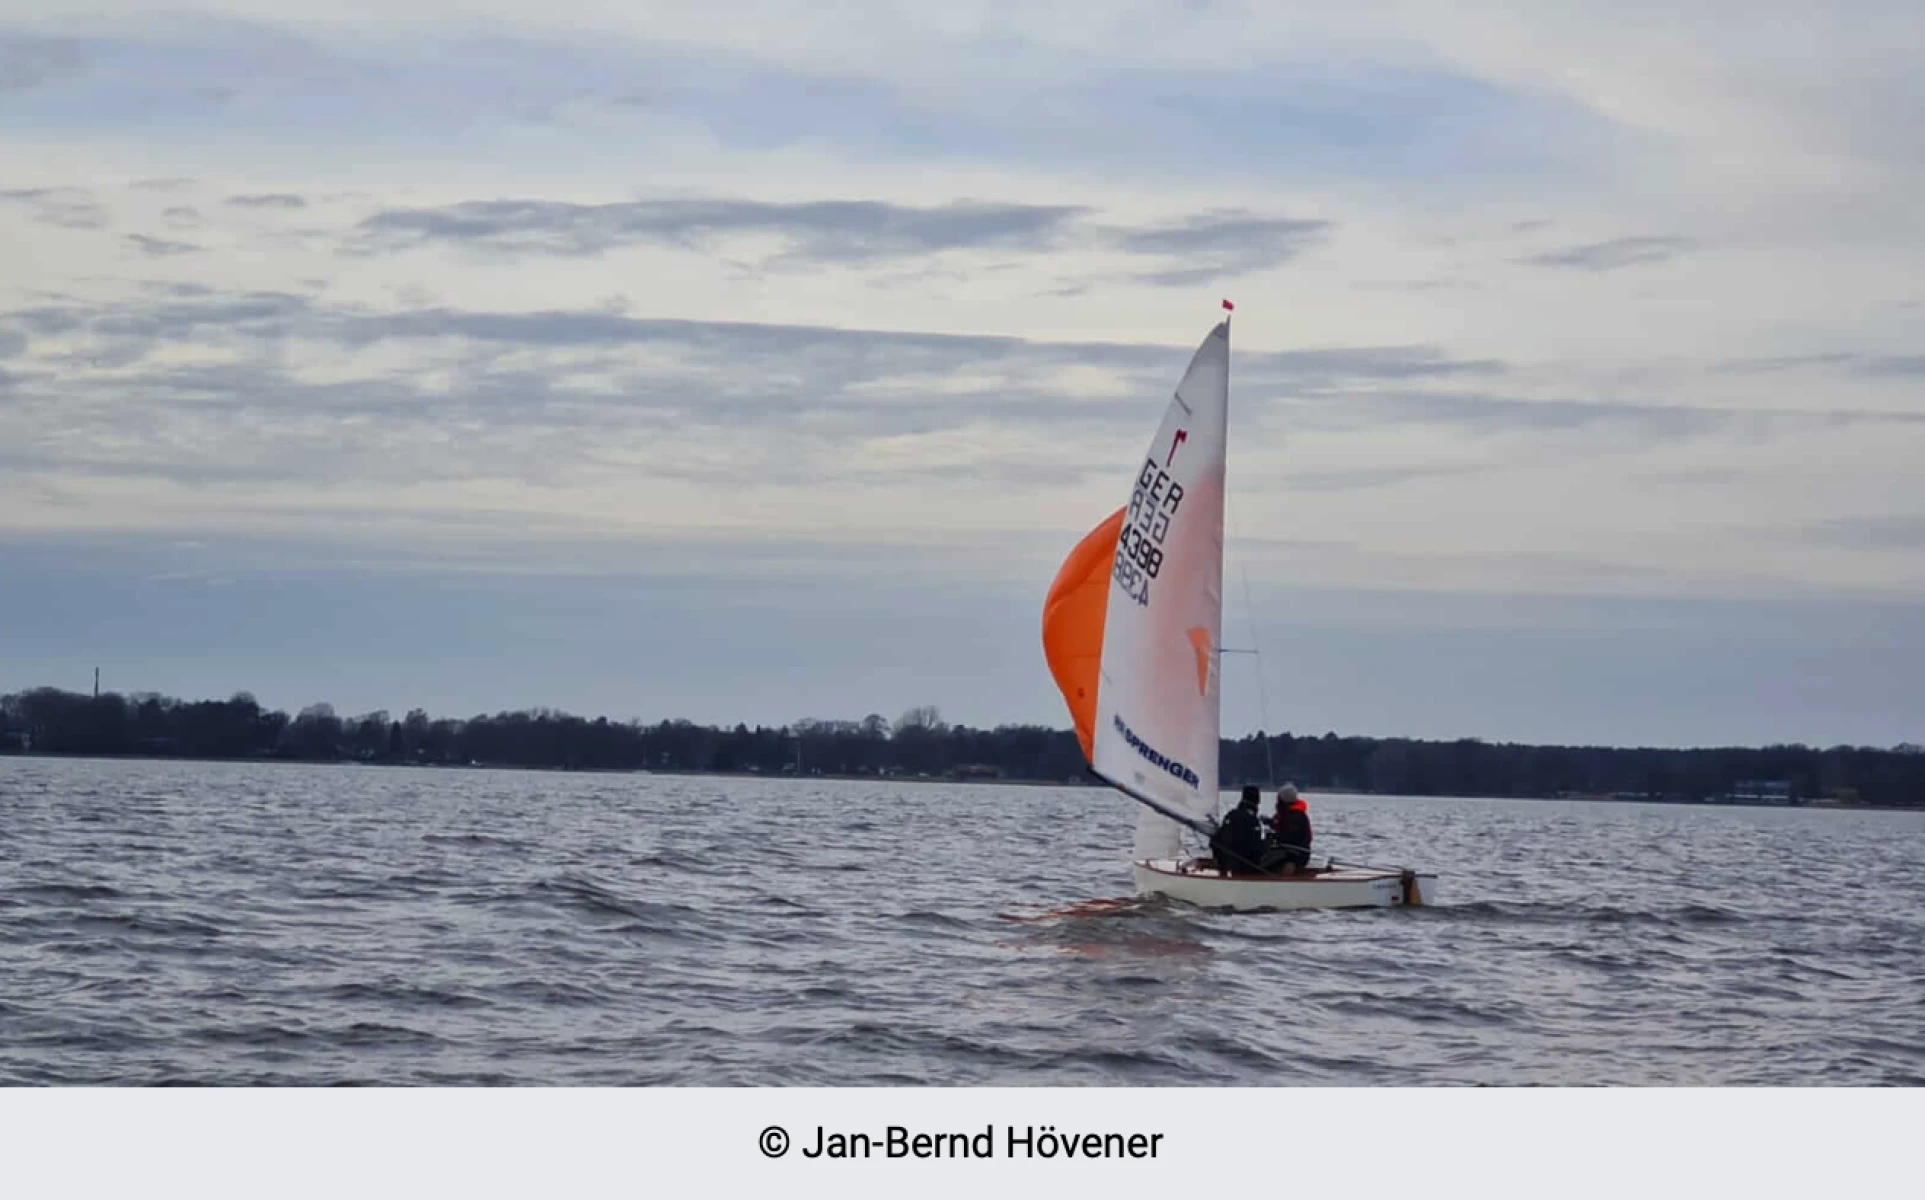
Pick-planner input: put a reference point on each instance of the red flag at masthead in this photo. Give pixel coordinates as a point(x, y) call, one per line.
point(1229, 307)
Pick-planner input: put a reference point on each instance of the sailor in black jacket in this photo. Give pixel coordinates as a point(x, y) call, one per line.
point(1237, 844)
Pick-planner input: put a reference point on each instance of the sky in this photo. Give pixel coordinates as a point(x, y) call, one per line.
point(757, 362)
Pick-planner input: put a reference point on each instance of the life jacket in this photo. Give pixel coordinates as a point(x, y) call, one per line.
point(1291, 826)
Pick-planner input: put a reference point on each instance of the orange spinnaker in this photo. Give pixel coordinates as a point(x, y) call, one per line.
point(1073, 624)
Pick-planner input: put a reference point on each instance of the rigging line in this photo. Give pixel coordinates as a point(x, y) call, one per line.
point(1250, 614)
point(1263, 693)
point(1256, 649)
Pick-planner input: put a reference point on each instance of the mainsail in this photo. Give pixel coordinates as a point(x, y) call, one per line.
point(1131, 624)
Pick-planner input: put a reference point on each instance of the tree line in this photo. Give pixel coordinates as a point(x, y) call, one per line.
point(920, 743)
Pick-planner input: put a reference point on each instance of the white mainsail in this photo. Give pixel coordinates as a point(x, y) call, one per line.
point(1158, 711)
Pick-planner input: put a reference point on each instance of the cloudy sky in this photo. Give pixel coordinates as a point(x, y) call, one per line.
point(752, 362)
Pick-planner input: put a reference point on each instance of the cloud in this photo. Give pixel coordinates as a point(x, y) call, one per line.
point(12, 343)
point(1279, 109)
point(1609, 256)
point(1489, 414)
point(67, 207)
point(1339, 366)
point(1417, 285)
point(1787, 362)
point(176, 287)
point(777, 357)
point(1219, 244)
point(1900, 365)
point(1357, 480)
point(268, 200)
point(390, 401)
point(1213, 245)
point(564, 398)
point(1875, 366)
point(155, 247)
point(1373, 409)
point(827, 231)
point(30, 62)
point(1878, 533)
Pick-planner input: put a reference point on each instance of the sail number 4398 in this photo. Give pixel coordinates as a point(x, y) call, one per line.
point(1139, 548)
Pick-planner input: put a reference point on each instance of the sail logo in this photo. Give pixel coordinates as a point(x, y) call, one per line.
point(1155, 756)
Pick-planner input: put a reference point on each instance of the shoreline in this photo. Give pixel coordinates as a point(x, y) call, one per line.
point(972, 780)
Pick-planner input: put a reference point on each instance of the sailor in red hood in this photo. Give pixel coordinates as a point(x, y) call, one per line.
point(1290, 833)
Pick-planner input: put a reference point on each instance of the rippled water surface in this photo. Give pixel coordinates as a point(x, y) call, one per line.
point(238, 924)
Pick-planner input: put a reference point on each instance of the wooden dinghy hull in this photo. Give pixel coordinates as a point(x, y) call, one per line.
point(1198, 883)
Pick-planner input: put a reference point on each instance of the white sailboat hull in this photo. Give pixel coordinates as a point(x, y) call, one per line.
point(1348, 887)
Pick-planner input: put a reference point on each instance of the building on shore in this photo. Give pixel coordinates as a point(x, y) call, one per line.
point(1759, 791)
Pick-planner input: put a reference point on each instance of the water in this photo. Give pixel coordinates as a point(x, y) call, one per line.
point(279, 924)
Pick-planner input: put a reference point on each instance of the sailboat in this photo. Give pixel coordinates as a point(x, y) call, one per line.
point(1132, 632)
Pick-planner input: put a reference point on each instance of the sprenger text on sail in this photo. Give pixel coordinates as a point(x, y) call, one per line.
point(1027, 1141)
point(1154, 755)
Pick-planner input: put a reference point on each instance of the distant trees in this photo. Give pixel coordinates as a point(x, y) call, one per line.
point(1475, 768)
point(921, 743)
point(60, 722)
point(314, 733)
point(927, 718)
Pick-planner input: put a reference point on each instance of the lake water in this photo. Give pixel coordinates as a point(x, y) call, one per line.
point(168, 922)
